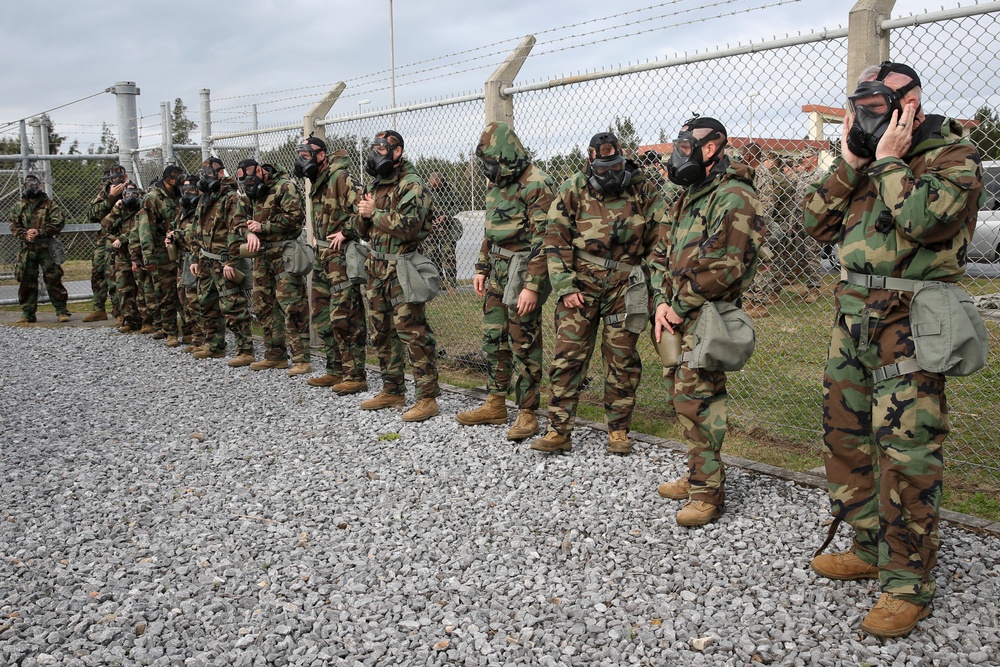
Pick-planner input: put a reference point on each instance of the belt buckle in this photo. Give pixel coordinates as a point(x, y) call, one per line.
point(876, 282)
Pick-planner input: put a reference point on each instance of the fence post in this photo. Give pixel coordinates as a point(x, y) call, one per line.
point(25, 151)
point(254, 125)
point(167, 123)
point(128, 125)
point(36, 136)
point(46, 127)
point(206, 123)
point(867, 43)
point(499, 107)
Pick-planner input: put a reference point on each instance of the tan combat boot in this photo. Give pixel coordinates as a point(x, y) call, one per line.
point(422, 410)
point(679, 489)
point(267, 364)
point(698, 513)
point(893, 617)
point(190, 349)
point(125, 329)
point(206, 353)
point(62, 317)
point(492, 411)
point(325, 381)
point(146, 329)
point(159, 335)
point(241, 359)
point(551, 442)
point(300, 368)
point(525, 426)
point(187, 339)
point(173, 341)
point(843, 566)
point(96, 316)
point(348, 387)
point(756, 310)
point(383, 400)
point(618, 442)
point(25, 320)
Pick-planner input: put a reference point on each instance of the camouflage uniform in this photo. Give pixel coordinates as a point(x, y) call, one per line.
point(776, 195)
point(621, 229)
point(338, 310)
point(446, 230)
point(221, 228)
point(149, 310)
point(102, 261)
point(280, 300)
point(185, 225)
point(400, 222)
point(43, 214)
point(707, 252)
point(909, 218)
point(517, 207)
point(159, 208)
point(118, 226)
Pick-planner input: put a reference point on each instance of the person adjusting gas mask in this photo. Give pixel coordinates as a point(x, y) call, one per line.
point(253, 178)
point(693, 156)
point(132, 197)
point(33, 187)
point(384, 154)
point(608, 172)
point(873, 104)
point(310, 158)
point(210, 175)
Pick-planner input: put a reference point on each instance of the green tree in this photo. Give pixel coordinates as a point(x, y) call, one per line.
point(628, 138)
point(986, 134)
point(182, 125)
point(108, 145)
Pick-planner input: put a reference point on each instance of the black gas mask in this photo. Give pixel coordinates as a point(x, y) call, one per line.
point(208, 179)
point(609, 175)
point(379, 165)
point(306, 165)
point(490, 168)
point(872, 105)
point(117, 175)
point(189, 193)
point(687, 165)
point(131, 198)
point(246, 175)
point(33, 187)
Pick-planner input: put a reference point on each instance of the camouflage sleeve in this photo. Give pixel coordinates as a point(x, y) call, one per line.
point(407, 219)
point(346, 206)
point(54, 220)
point(926, 209)
point(827, 202)
point(109, 225)
point(655, 212)
point(134, 243)
point(718, 264)
point(538, 197)
point(658, 263)
point(152, 209)
point(17, 226)
point(483, 261)
point(288, 217)
point(559, 240)
point(99, 207)
point(237, 211)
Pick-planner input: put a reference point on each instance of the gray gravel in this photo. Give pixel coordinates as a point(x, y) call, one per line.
point(158, 510)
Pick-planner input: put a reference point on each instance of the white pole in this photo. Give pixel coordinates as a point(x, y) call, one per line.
point(392, 65)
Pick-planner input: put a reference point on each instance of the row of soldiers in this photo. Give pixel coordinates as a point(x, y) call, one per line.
point(615, 254)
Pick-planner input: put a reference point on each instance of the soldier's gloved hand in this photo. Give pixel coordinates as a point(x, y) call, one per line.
point(574, 300)
point(479, 284)
point(527, 301)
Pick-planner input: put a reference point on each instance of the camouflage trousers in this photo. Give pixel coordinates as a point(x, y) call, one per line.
point(281, 304)
point(700, 399)
point(512, 343)
point(111, 278)
point(127, 290)
point(99, 276)
point(163, 277)
point(576, 335)
point(884, 442)
point(148, 312)
point(32, 259)
point(339, 316)
point(222, 304)
point(394, 325)
point(187, 299)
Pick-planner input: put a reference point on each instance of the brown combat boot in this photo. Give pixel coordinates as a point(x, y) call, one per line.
point(266, 364)
point(893, 617)
point(348, 387)
point(618, 442)
point(843, 566)
point(146, 329)
point(300, 368)
point(492, 411)
point(62, 317)
point(159, 335)
point(125, 329)
point(679, 489)
point(551, 442)
point(698, 513)
point(383, 400)
point(172, 341)
point(241, 359)
point(525, 426)
point(96, 316)
point(756, 310)
point(25, 320)
point(206, 353)
point(187, 339)
point(325, 381)
point(190, 349)
point(422, 410)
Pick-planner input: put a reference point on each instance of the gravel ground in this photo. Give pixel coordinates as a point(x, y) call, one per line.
point(158, 510)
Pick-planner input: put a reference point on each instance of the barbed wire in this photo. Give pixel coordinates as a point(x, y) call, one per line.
point(61, 106)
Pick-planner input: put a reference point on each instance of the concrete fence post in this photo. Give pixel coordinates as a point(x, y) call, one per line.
point(128, 125)
point(167, 123)
point(206, 123)
point(498, 106)
point(867, 43)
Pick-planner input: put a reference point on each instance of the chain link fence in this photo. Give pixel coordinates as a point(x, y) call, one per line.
point(783, 107)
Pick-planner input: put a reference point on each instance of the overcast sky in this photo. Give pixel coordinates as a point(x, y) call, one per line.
point(247, 51)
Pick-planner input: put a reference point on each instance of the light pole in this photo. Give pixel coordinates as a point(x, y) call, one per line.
point(392, 66)
point(361, 145)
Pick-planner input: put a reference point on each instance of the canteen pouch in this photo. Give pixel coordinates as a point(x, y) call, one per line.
point(948, 332)
point(188, 281)
point(418, 276)
point(297, 257)
point(517, 276)
point(355, 256)
point(245, 266)
point(637, 300)
point(723, 338)
point(57, 251)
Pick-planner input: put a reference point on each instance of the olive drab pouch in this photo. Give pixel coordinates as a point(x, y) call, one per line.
point(355, 256)
point(297, 257)
point(245, 266)
point(948, 332)
point(637, 300)
point(418, 276)
point(517, 276)
point(57, 251)
point(723, 338)
point(188, 281)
